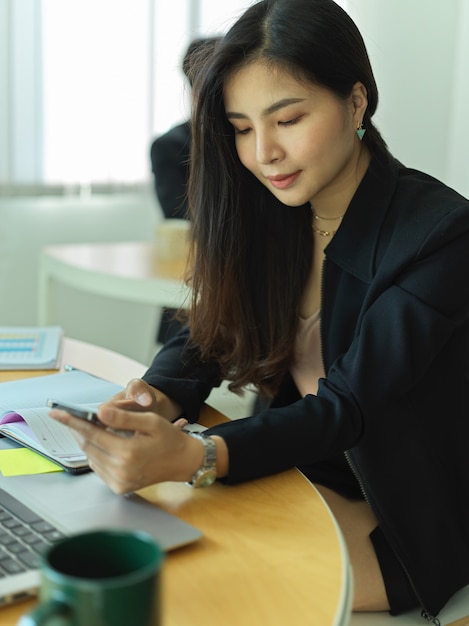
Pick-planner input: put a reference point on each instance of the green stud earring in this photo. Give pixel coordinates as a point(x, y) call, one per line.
point(360, 131)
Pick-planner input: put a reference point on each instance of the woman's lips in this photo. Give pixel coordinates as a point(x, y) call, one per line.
point(282, 182)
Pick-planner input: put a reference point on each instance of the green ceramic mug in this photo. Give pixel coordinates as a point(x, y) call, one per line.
point(100, 578)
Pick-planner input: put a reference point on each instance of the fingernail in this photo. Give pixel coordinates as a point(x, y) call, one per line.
point(143, 399)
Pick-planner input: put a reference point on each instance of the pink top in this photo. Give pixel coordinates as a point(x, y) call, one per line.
point(307, 365)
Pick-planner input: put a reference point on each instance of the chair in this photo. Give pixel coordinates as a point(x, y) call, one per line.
point(455, 613)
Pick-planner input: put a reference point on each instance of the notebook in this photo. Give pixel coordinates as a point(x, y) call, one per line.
point(70, 504)
point(24, 414)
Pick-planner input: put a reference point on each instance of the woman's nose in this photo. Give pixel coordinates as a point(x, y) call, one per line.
point(267, 149)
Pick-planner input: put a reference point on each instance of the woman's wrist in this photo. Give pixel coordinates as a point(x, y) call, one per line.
point(166, 406)
point(194, 457)
point(222, 456)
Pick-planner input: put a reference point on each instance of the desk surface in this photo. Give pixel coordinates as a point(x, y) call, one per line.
point(271, 551)
point(135, 259)
point(130, 270)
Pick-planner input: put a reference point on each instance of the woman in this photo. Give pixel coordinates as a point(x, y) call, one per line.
point(334, 279)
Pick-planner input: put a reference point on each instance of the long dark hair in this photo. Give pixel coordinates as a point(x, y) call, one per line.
point(251, 255)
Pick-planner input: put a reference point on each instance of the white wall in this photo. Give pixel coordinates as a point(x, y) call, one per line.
point(458, 114)
point(419, 50)
point(28, 224)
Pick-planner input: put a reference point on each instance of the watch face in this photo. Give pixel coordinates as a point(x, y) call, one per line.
point(205, 478)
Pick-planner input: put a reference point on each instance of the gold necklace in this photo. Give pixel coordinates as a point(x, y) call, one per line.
point(320, 231)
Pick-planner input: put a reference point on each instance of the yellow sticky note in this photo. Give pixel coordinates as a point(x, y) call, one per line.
point(21, 461)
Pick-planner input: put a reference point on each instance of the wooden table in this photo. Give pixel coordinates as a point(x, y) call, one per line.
point(129, 270)
point(271, 551)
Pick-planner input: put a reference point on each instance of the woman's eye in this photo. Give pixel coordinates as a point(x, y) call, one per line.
point(291, 122)
point(242, 131)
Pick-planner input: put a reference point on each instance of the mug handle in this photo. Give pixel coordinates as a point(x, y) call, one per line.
point(51, 612)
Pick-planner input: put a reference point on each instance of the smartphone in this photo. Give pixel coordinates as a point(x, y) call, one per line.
point(90, 415)
point(76, 410)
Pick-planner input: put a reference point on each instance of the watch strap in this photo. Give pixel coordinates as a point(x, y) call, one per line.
point(206, 475)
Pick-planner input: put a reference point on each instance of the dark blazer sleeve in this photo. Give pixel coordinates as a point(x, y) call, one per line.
point(169, 155)
point(178, 371)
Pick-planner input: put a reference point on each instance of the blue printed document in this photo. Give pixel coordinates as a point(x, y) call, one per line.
point(30, 347)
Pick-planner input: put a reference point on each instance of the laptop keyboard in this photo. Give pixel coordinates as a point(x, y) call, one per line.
point(23, 536)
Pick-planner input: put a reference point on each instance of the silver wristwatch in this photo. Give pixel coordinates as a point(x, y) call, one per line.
point(206, 475)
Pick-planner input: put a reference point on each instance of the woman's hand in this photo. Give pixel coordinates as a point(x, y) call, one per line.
point(142, 441)
point(157, 450)
point(140, 445)
point(140, 396)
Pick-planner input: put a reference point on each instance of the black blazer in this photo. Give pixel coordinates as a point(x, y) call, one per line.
point(395, 337)
point(169, 155)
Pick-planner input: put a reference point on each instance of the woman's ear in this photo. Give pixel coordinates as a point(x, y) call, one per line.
point(359, 98)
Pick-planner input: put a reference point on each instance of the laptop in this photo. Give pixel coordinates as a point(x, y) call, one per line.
point(60, 504)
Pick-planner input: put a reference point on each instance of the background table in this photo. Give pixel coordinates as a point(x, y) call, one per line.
point(130, 270)
point(271, 551)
